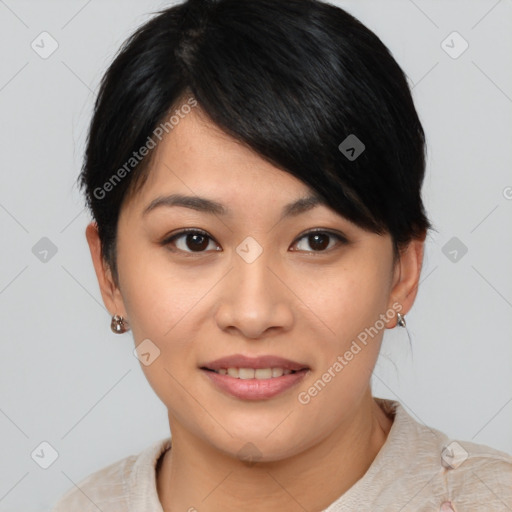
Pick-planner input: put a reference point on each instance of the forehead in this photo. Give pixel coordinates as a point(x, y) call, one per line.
point(197, 158)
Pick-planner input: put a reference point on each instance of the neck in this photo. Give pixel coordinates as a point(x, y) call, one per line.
point(195, 474)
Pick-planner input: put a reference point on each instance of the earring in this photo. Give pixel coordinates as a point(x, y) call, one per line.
point(119, 325)
point(401, 320)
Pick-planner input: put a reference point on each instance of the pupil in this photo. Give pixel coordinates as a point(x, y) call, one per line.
point(200, 242)
point(318, 241)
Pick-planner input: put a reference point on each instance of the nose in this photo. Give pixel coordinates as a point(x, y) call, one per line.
point(255, 300)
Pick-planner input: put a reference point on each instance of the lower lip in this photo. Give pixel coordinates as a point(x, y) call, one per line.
point(255, 389)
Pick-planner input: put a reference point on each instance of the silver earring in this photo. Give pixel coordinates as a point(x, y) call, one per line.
point(119, 325)
point(401, 320)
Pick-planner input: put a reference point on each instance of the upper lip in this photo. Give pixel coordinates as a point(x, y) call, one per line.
point(241, 361)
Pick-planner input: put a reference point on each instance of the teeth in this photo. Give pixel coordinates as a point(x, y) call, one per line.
point(251, 373)
point(233, 372)
point(263, 373)
point(277, 372)
point(246, 373)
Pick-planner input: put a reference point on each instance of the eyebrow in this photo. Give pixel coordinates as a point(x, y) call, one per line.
point(202, 204)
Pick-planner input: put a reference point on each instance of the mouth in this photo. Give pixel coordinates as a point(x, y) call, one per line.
point(254, 373)
point(254, 378)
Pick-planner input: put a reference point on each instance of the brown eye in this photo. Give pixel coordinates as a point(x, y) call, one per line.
point(319, 241)
point(190, 241)
point(196, 242)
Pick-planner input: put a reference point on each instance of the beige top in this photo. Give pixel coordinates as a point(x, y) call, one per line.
point(418, 469)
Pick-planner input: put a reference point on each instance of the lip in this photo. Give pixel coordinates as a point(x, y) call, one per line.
point(254, 389)
point(241, 361)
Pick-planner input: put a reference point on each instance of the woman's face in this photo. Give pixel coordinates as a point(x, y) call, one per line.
point(255, 284)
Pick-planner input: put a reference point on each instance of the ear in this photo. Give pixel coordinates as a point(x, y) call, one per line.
point(110, 293)
point(406, 276)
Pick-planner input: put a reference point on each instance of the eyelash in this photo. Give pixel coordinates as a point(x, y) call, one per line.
point(168, 241)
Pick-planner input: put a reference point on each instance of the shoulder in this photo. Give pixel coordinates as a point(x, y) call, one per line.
point(113, 488)
point(472, 477)
point(100, 490)
point(480, 477)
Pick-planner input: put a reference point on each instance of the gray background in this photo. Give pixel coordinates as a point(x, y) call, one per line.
point(67, 380)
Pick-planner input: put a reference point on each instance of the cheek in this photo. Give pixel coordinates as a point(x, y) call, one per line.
point(349, 298)
point(162, 304)
point(157, 294)
point(350, 304)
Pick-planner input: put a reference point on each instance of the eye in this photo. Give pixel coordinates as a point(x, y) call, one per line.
point(319, 241)
point(198, 241)
point(190, 241)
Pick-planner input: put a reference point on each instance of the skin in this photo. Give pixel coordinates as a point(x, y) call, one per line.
point(294, 301)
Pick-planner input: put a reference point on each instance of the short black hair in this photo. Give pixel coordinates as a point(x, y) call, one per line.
point(290, 80)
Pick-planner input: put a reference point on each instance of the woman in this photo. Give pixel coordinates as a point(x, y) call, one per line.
point(254, 170)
